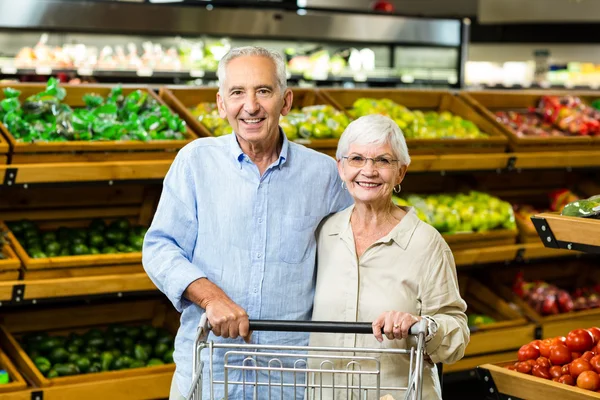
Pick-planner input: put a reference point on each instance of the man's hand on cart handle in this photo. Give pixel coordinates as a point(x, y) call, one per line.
point(226, 318)
point(394, 324)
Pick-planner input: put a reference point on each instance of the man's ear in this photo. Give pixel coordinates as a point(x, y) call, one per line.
point(288, 99)
point(221, 106)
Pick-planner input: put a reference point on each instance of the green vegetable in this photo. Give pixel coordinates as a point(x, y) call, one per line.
point(140, 353)
point(106, 360)
point(154, 361)
point(66, 369)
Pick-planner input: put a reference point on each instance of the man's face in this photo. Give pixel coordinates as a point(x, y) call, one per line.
point(251, 99)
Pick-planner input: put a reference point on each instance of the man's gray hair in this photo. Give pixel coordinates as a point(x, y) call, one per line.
point(374, 129)
point(274, 56)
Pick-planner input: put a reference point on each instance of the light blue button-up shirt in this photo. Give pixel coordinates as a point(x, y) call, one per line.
point(251, 235)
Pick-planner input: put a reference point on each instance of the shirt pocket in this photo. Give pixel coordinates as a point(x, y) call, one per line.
point(295, 237)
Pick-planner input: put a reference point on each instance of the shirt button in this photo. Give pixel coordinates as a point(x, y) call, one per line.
point(255, 290)
point(259, 255)
point(260, 220)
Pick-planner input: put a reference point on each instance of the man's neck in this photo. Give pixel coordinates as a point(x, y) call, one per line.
point(262, 154)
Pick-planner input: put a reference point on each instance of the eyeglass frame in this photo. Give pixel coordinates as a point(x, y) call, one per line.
point(373, 160)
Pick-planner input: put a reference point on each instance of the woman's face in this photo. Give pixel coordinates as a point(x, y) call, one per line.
point(371, 183)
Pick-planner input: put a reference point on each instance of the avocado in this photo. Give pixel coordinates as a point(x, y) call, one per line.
point(83, 364)
point(160, 349)
point(121, 248)
point(137, 364)
point(168, 357)
point(94, 250)
point(66, 369)
point(114, 236)
point(96, 241)
point(153, 362)
point(73, 357)
point(120, 224)
point(140, 353)
point(79, 249)
point(64, 251)
point(109, 250)
point(52, 374)
point(106, 360)
point(58, 355)
point(48, 344)
point(96, 342)
point(122, 362)
point(95, 367)
point(52, 247)
point(49, 237)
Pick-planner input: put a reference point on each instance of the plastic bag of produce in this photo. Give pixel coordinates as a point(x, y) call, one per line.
point(589, 208)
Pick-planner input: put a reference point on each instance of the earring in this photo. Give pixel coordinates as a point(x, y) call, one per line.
point(343, 186)
point(397, 189)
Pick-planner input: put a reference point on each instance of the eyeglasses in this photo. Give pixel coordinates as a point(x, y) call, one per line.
point(379, 162)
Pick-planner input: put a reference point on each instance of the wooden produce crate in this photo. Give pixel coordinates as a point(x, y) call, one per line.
point(4, 150)
point(181, 99)
point(568, 232)
point(491, 238)
point(10, 266)
point(430, 100)
point(523, 386)
point(16, 379)
point(78, 319)
point(73, 151)
point(510, 330)
point(487, 103)
point(567, 275)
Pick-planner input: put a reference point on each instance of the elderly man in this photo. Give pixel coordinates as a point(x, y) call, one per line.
point(234, 232)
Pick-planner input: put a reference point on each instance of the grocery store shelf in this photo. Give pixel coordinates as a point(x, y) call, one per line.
point(35, 291)
point(553, 160)
point(460, 162)
point(570, 233)
point(507, 254)
point(21, 174)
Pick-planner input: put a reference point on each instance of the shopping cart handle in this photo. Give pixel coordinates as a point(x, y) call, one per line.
point(317, 326)
point(322, 326)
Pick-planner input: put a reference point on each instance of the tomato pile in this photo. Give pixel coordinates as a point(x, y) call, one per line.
point(573, 360)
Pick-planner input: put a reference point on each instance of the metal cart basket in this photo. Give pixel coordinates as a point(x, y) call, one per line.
point(304, 372)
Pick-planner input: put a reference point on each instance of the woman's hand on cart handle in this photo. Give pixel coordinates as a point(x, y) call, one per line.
point(394, 325)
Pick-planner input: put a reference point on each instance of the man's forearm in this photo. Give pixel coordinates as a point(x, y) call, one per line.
point(202, 292)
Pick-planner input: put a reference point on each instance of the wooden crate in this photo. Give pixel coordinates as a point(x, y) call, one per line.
point(62, 321)
point(487, 103)
point(566, 275)
point(10, 266)
point(499, 237)
point(181, 99)
point(16, 379)
point(72, 151)
point(523, 386)
point(426, 100)
point(510, 330)
point(4, 150)
point(51, 208)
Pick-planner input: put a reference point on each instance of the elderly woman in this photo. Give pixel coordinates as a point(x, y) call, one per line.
point(378, 262)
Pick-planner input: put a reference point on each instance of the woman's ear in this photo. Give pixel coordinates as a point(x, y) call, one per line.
point(402, 173)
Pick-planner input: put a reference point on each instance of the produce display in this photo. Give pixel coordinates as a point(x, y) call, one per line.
point(472, 212)
point(312, 122)
point(98, 238)
point(554, 116)
point(547, 299)
point(476, 320)
point(586, 208)
point(418, 124)
point(116, 348)
point(573, 360)
point(557, 200)
point(43, 117)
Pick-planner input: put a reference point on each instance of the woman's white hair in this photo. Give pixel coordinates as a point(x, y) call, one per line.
point(247, 51)
point(374, 129)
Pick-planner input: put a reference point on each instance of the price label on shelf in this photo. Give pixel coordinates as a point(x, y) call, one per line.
point(85, 71)
point(144, 72)
point(197, 73)
point(43, 70)
point(9, 69)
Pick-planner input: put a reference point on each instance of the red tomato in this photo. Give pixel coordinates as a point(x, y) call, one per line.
point(559, 340)
point(524, 368)
point(536, 343)
point(580, 340)
point(555, 379)
point(545, 346)
point(560, 355)
point(556, 371)
point(595, 331)
point(575, 355)
point(588, 380)
point(531, 362)
point(511, 367)
point(578, 366)
point(587, 355)
point(566, 369)
point(567, 380)
point(541, 372)
point(595, 362)
point(544, 362)
point(528, 352)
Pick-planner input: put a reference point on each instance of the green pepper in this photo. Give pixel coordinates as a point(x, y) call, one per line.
point(92, 100)
point(10, 93)
point(106, 360)
point(10, 104)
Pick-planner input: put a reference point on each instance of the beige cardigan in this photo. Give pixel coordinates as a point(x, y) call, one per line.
point(412, 270)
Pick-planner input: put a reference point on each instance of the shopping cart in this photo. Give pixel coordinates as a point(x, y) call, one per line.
point(306, 367)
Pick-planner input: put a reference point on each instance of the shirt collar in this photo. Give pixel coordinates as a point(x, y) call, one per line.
point(401, 234)
point(240, 156)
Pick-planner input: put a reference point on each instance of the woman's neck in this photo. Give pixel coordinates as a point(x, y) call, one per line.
point(373, 217)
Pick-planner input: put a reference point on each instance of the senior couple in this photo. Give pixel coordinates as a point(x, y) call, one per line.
point(246, 222)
